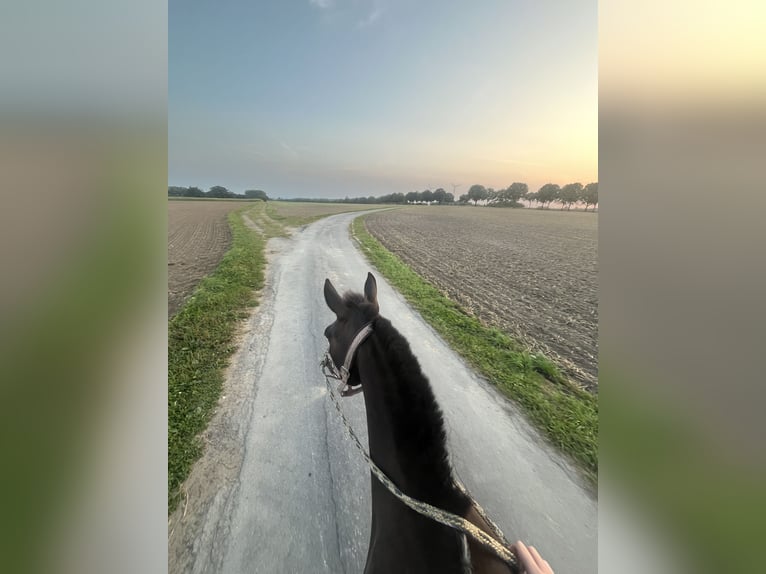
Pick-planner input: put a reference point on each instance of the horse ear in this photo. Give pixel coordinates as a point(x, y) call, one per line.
point(333, 300)
point(371, 291)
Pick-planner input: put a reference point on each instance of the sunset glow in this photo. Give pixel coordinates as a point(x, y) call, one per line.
point(332, 98)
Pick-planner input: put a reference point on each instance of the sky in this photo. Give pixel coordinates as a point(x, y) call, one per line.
point(335, 98)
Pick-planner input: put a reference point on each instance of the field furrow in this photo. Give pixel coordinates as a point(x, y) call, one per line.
point(198, 237)
point(530, 273)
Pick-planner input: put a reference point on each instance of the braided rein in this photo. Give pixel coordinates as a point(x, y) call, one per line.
point(437, 514)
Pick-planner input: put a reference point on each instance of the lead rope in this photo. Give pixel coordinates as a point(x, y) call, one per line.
point(441, 516)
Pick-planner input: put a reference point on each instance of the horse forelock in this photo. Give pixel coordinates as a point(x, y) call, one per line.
point(352, 298)
point(358, 301)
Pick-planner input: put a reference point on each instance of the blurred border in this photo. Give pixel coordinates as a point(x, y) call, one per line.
point(82, 311)
point(682, 141)
point(83, 327)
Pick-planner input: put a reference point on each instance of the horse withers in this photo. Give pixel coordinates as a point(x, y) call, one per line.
point(407, 442)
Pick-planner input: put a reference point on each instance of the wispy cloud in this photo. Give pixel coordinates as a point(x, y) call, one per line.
point(370, 19)
point(352, 10)
point(287, 148)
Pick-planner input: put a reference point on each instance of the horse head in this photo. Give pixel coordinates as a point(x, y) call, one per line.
point(353, 312)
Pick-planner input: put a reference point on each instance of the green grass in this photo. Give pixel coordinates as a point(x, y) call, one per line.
point(200, 335)
point(290, 220)
point(242, 199)
point(566, 414)
point(200, 343)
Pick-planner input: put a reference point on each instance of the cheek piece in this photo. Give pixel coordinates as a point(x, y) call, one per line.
point(329, 369)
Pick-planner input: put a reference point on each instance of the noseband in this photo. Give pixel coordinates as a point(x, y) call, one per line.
point(330, 370)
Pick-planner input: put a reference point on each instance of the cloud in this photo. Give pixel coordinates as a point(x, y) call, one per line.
point(331, 6)
point(371, 19)
point(287, 148)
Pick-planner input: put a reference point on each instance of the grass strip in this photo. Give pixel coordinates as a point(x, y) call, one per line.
point(291, 220)
point(200, 335)
point(566, 414)
point(200, 343)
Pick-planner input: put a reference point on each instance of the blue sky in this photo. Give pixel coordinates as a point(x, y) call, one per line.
point(329, 98)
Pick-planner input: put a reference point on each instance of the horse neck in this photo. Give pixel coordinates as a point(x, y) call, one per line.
point(404, 423)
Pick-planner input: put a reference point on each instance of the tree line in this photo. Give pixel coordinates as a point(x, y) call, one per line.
point(439, 196)
point(569, 195)
point(512, 196)
point(216, 192)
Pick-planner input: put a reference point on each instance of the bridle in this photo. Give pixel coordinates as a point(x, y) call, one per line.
point(498, 545)
point(330, 370)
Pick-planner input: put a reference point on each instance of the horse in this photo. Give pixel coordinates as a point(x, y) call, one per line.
point(407, 441)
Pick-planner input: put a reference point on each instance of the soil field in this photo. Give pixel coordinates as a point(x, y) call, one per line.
point(531, 273)
point(198, 237)
point(316, 210)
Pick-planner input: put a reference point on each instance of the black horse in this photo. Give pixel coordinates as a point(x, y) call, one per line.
point(407, 442)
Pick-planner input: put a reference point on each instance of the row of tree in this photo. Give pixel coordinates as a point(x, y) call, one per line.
point(217, 192)
point(569, 195)
point(514, 194)
point(439, 196)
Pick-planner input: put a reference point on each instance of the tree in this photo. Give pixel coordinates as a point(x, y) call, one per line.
point(516, 191)
point(256, 194)
point(449, 198)
point(464, 199)
point(412, 197)
point(530, 197)
point(510, 197)
point(548, 193)
point(194, 192)
point(497, 198)
point(440, 195)
point(427, 195)
point(175, 191)
point(477, 193)
point(589, 195)
point(570, 194)
point(219, 191)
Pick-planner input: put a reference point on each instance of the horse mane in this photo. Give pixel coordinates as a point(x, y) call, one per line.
point(419, 432)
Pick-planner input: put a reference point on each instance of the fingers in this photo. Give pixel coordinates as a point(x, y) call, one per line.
point(530, 559)
point(526, 559)
point(542, 564)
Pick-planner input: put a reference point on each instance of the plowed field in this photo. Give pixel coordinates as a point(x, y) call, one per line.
point(198, 237)
point(531, 273)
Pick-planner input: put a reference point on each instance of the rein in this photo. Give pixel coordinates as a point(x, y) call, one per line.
point(500, 549)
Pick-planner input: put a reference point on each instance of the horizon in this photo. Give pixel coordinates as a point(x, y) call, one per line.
point(358, 98)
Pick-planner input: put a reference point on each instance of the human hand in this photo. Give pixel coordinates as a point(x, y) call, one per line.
point(530, 560)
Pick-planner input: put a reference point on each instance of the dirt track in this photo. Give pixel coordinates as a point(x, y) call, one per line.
point(531, 273)
point(281, 488)
point(198, 237)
